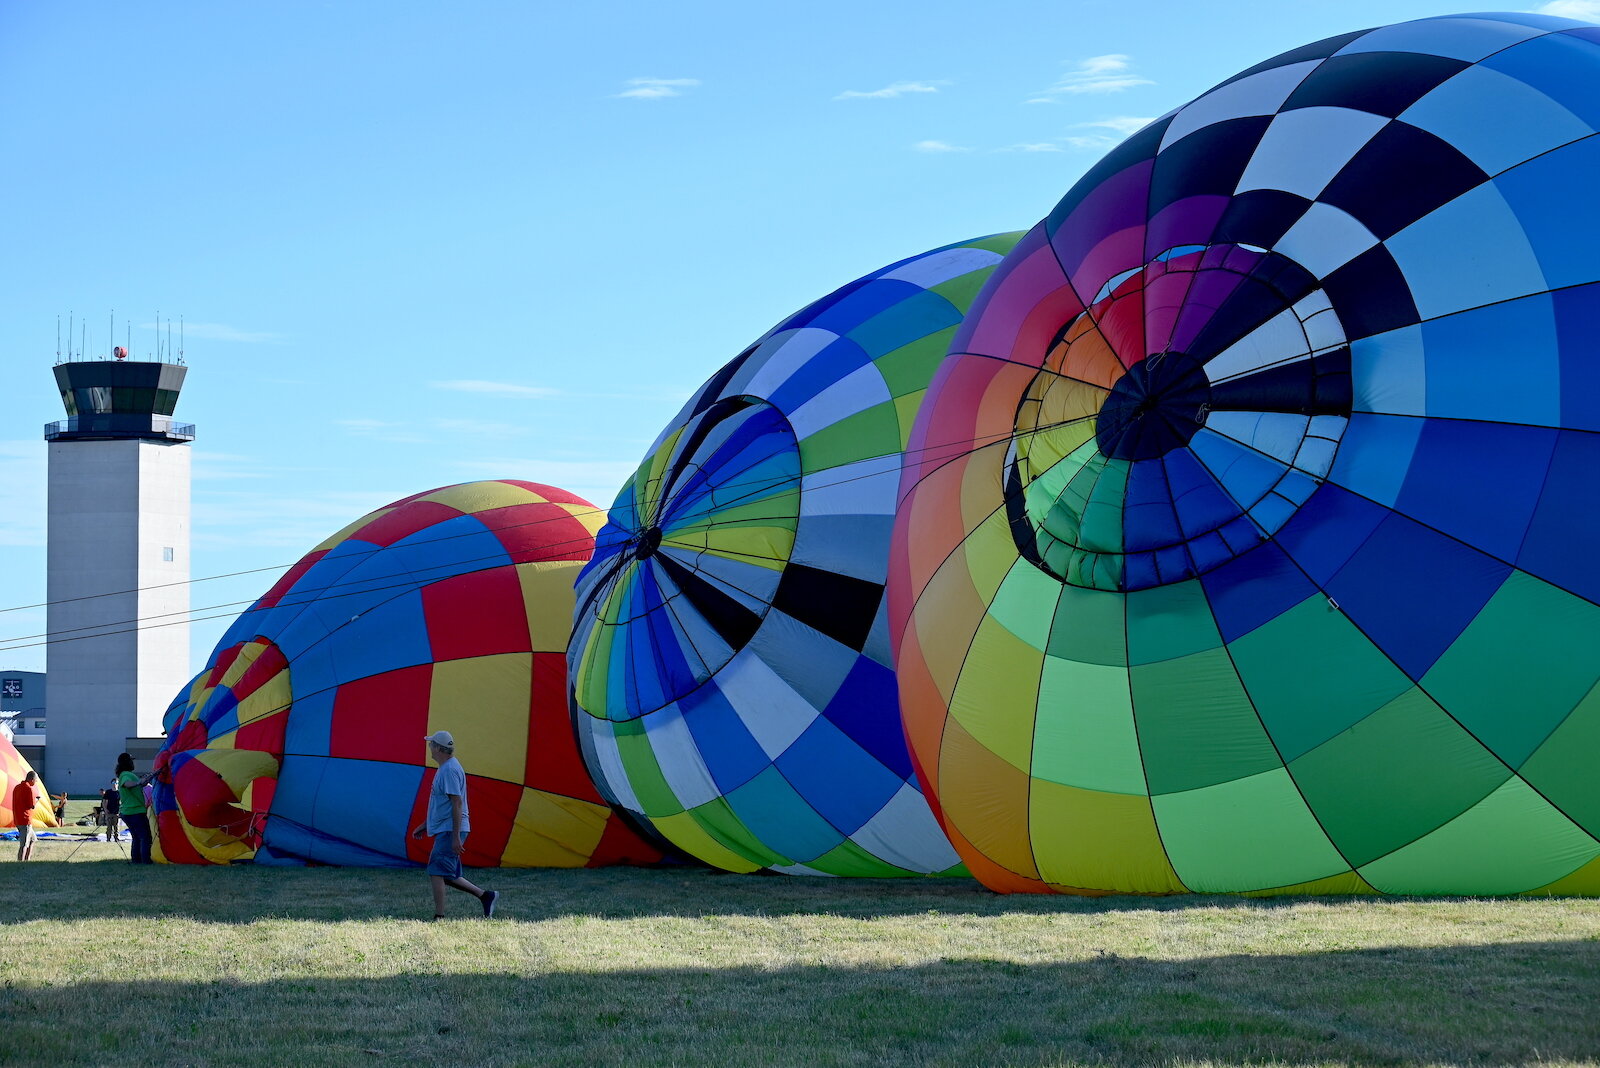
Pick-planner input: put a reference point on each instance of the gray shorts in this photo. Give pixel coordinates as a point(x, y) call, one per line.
point(444, 860)
point(25, 834)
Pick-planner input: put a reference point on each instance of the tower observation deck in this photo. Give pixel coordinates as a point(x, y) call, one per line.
point(109, 400)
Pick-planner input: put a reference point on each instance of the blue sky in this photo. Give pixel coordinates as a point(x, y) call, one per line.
point(416, 244)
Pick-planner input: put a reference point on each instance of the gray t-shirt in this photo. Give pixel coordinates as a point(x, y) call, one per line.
point(449, 779)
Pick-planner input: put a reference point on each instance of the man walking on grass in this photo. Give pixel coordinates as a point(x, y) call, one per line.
point(448, 821)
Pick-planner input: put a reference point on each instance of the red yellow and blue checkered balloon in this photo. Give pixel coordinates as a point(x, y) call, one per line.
point(302, 740)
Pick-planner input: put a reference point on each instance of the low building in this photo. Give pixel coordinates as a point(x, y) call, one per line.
point(22, 713)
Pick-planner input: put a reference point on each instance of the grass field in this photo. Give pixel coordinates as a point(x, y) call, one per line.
point(104, 963)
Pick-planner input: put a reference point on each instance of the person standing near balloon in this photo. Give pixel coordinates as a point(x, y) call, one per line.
point(130, 788)
point(110, 809)
point(448, 821)
point(23, 799)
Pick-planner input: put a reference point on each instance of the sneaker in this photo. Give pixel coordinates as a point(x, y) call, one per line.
point(488, 901)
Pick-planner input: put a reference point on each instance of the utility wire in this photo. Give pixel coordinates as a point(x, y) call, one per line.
point(315, 594)
point(762, 485)
point(283, 567)
point(334, 630)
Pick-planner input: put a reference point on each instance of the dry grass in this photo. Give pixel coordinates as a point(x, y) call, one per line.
point(104, 963)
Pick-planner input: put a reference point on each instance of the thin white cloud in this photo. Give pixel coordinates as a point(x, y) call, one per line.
point(270, 518)
point(1107, 85)
point(938, 146)
point(1122, 124)
point(655, 88)
point(1586, 10)
point(212, 332)
point(675, 394)
point(406, 433)
point(1098, 74)
point(379, 430)
point(890, 92)
point(479, 428)
point(216, 467)
point(500, 389)
point(1033, 146)
point(221, 466)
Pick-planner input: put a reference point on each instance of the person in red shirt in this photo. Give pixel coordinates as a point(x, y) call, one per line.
point(23, 798)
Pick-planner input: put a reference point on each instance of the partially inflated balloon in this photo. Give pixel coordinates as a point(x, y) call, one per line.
point(1249, 540)
point(302, 740)
point(730, 664)
point(14, 767)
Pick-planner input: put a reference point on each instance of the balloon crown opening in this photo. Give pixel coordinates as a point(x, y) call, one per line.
point(649, 541)
point(1158, 405)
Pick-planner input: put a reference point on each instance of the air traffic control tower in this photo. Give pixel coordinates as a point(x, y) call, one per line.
point(117, 562)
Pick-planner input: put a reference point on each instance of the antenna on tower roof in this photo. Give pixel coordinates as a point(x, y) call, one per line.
point(72, 328)
point(58, 337)
point(180, 337)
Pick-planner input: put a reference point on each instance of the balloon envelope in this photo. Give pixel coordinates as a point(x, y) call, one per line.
point(302, 740)
point(13, 768)
point(1249, 536)
point(730, 664)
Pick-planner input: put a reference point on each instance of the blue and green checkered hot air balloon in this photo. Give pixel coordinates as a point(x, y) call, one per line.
point(730, 669)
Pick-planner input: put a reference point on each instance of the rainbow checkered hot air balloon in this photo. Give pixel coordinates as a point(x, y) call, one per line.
point(301, 741)
point(1248, 540)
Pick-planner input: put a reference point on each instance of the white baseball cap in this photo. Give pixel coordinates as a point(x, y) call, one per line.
point(442, 739)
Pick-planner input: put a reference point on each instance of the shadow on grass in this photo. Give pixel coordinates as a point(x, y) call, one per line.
point(94, 887)
point(1497, 1005)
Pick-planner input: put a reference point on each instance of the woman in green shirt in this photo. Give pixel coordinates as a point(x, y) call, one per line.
point(130, 788)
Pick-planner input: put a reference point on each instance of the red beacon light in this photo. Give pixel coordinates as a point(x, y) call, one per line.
point(120, 353)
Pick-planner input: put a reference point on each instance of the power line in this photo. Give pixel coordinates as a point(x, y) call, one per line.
point(761, 484)
point(334, 630)
point(593, 510)
point(309, 595)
